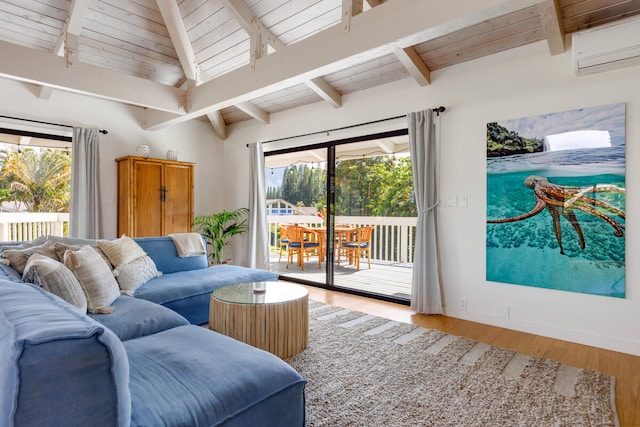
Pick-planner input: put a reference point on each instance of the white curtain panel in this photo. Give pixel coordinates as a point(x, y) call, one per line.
point(84, 219)
point(426, 295)
point(258, 233)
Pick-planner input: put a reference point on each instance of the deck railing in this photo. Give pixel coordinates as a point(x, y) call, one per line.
point(393, 238)
point(21, 226)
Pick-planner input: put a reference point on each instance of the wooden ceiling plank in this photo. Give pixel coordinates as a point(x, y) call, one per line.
point(41, 68)
point(137, 24)
point(576, 20)
point(486, 49)
point(416, 67)
point(552, 23)
point(218, 123)
point(375, 33)
point(374, 3)
point(474, 38)
point(521, 20)
point(181, 43)
point(307, 22)
point(325, 91)
point(255, 112)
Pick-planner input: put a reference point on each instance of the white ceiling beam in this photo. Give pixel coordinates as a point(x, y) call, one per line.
point(42, 68)
point(552, 23)
point(254, 111)
point(261, 37)
point(73, 25)
point(180, 38)
point(350, 8)
point(325, 91)
point(374, 34)
point(411, 60)
point(250, 23)
point(219, 126)
point(386, 146)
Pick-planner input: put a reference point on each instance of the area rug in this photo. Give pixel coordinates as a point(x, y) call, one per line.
point(364, 370)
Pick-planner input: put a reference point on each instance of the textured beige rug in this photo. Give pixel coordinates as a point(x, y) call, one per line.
point(364, 370)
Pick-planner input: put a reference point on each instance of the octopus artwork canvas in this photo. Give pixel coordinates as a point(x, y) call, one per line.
point(556, 201)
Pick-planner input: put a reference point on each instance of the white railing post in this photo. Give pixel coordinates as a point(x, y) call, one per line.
point(19, 226)
point(392, 238)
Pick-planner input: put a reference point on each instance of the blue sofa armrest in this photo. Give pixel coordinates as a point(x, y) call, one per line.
point(57, 366)
point(165, 255)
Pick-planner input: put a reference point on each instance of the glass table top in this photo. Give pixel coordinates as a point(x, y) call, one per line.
point(244, 293)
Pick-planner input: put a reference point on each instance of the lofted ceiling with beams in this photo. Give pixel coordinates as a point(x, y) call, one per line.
point(237, 60)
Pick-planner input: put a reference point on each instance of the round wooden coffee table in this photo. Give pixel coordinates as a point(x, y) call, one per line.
point(276, 320)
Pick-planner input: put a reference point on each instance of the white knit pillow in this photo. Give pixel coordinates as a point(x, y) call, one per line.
point(121, 251)
point(135, 274)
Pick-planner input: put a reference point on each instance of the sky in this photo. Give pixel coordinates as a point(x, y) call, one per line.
point(606, 117)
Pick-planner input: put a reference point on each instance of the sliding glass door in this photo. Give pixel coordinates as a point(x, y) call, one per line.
point(354, 201)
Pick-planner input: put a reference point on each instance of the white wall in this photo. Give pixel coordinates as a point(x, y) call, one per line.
point(195, 141)
point(523, 82)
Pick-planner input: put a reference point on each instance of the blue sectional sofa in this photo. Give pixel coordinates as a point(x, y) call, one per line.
point(144, 364)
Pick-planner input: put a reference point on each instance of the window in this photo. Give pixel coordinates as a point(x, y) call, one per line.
point(35, 182)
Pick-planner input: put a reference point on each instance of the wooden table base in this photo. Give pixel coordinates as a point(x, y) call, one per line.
point(281, 328)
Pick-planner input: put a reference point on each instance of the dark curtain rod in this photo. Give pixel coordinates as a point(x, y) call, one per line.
point(102, 131)
point(436, 110)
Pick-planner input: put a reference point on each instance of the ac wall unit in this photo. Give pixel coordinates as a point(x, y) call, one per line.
point(607, 47)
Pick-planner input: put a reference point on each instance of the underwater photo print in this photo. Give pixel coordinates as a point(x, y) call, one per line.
point(556, 201)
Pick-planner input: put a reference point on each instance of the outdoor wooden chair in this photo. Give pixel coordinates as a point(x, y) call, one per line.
point(359, 246)
point(298, 244)
point(284, 240)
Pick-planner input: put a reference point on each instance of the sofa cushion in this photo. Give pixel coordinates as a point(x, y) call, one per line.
point(121, 251)
point(96, 278)
point(164, 253)
point(136, 273)
point(18, 257)
point(220, 381)
point(58, 367)
point(137, 318)
point(56, 278)
point(188, 292)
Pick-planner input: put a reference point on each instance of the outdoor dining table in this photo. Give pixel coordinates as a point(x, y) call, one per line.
point(319, 234)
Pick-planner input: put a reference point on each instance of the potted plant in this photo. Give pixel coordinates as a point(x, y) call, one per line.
point(218, 228)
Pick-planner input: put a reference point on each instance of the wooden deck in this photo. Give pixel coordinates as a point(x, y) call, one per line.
point(384, 277)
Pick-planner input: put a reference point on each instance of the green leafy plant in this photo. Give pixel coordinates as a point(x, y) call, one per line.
point(218, 228)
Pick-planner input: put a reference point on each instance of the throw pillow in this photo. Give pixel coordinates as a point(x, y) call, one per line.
point(54, 277)
point(135, 274)
point(38, 241)
point(61, 248)
point(95, 277)
point(18, 257)
point(121, 251)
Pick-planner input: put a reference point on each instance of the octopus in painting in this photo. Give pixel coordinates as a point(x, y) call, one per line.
point(560, 200)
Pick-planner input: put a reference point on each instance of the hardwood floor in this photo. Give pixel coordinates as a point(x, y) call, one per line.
point(625, 367)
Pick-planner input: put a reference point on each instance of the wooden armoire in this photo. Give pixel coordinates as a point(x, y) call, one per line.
point(155, 197)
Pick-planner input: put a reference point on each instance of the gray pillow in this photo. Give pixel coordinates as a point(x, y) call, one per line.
point(54, 277)
point(95, 277)
point(18, 257)
point(135, 274)
point(71, 240)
